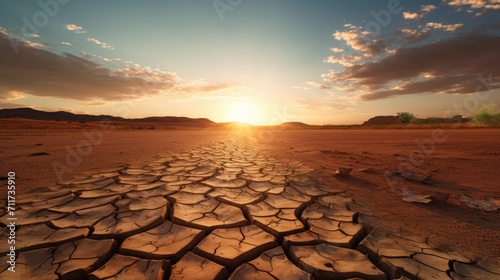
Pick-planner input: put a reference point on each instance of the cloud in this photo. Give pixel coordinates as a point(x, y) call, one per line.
point(11, 95)
point(75, 28)
point(100, 43)
point(424, 10)
point(317, 85)
point(445, 27)
point(345, 60)
point(356, 38)
point(336, 50)
point(476, 4)
point(412, 36)
point(446, 66)
point(40, 72)
point(408, 15)
point(427, 8)
point(67, 44)
point(38, 44)
point(479, 7)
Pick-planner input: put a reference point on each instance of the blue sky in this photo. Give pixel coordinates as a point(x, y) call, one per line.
point(320, 62)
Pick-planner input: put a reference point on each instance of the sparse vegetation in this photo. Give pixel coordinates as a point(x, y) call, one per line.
point(486, 115)
point(406, 117)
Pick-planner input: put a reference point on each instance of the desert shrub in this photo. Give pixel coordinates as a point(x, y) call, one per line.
point(486, 115)
point(406, 117)
point(457, 118)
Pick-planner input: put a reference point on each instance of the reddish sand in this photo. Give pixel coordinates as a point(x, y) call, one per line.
point(465, 163)
point(116, 148)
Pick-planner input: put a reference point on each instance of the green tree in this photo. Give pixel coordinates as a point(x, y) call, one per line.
point(486, 115)
point(406, 117)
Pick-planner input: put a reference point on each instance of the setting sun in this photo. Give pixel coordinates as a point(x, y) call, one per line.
point(243, 112)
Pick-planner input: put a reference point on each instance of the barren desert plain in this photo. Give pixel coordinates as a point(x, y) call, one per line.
point(250, 140)
point(456, 169)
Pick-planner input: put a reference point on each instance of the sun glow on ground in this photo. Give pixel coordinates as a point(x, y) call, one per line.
point(244, 112)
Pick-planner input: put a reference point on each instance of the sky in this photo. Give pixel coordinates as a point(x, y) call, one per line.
point(262, 62)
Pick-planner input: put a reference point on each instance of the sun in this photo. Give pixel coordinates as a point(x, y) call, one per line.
point(243, 112)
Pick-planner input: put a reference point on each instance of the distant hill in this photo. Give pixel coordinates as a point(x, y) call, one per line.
point(294, 125)
point(202, 121)
point(383, 120)
point(28, 113)
point(36, 118)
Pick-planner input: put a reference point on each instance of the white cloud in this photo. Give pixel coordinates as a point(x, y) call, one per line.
point(412, 36)
point(11, 95)
point(427, 8)
point(75, 28)
point(67, 44)
point(445, 27)
point(355, 37)
point(345, 60)
point(100, 43)
point(409, 15)
point(477, 4)
point(424, 10)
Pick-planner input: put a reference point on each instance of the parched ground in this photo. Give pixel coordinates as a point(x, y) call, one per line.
point(463, 165)
point(253, 204)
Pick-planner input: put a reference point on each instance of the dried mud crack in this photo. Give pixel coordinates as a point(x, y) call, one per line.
point(220, 211)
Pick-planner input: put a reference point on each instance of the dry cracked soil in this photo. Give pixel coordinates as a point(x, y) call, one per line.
point(223, 210)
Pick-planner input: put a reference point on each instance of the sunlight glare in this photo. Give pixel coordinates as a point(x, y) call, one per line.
point(244, 113)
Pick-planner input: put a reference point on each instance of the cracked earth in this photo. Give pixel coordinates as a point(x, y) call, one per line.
point(219, 211)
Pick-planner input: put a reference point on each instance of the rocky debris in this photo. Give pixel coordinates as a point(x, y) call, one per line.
point(487, 204)
point(194, 267)
point(412, 175)
point(272, 264)
point(409, 196)
point(368, 170)
point(329, 262)
point(233, 246)
point(343, 171)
